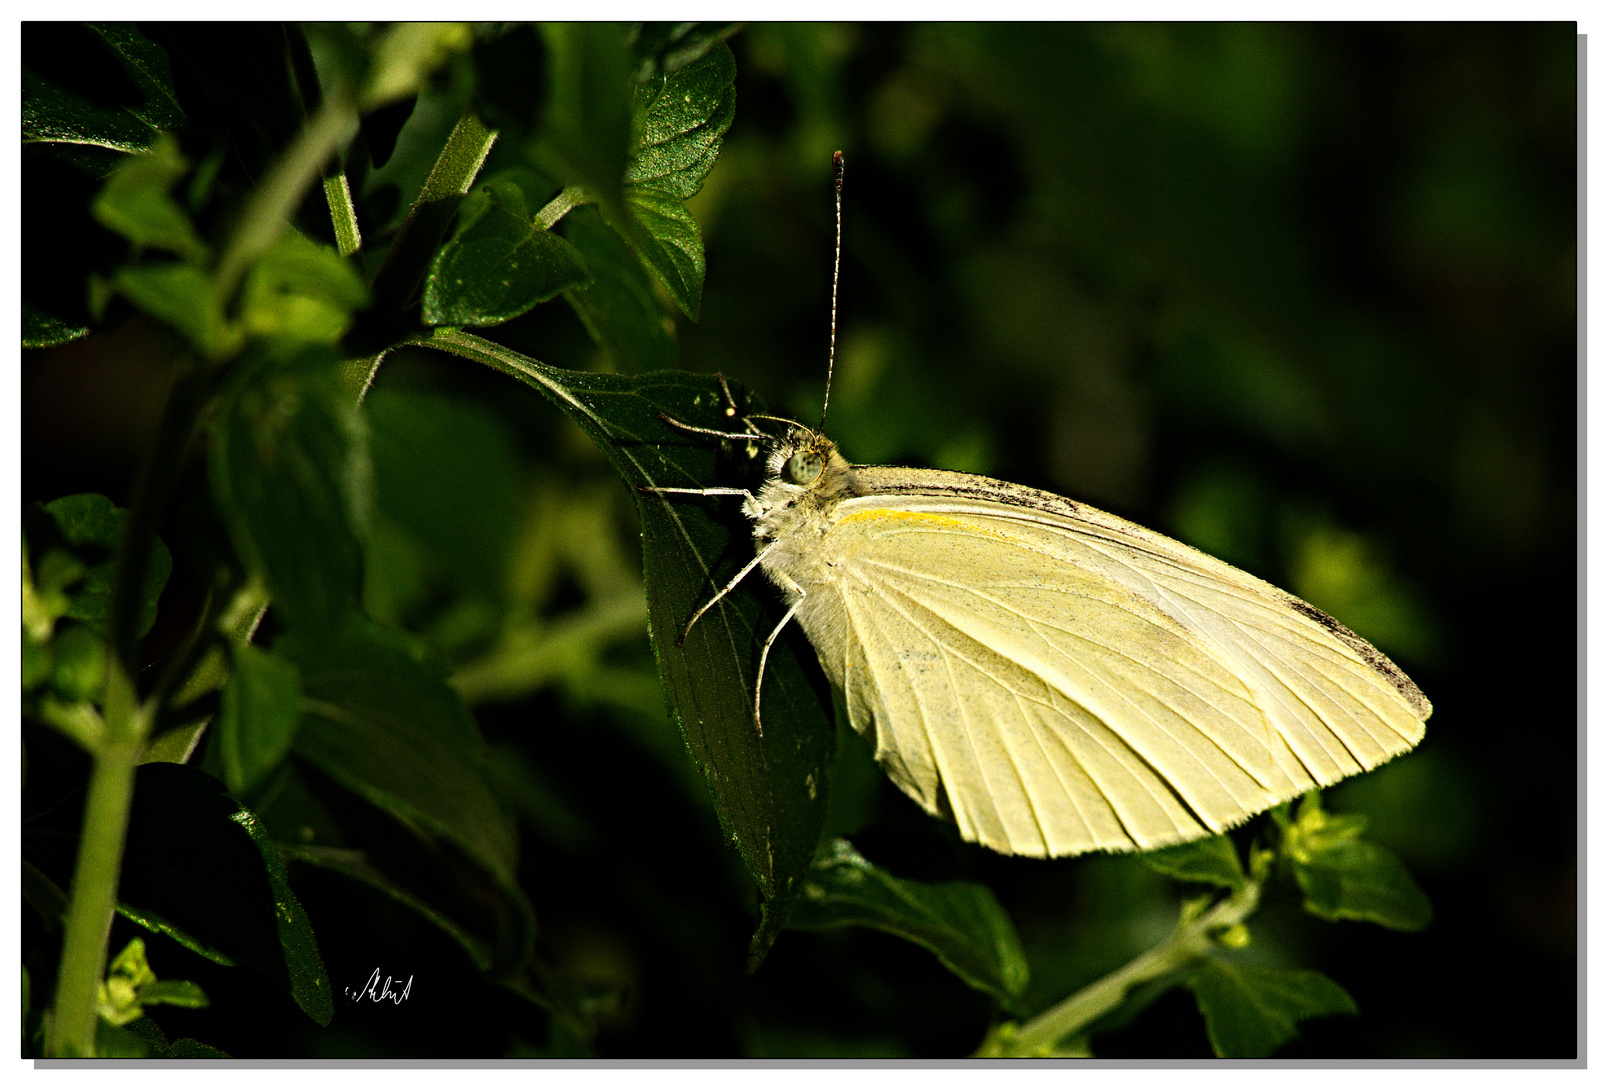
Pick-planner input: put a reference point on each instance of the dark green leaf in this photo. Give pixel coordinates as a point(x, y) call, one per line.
point(41, 330)
point(381, 719)
point(446, 475)
point(355, 865)
point(1360, 880)
point(260, 714)
point(180, 296)
point(1249, 1012)
point(666, 237)
point(302, 291)
point(193, 869)
point(960, 922)
point(1212, 860)
point(136, 203)
point(588, 119)
point(683, 116)
point(770, 792)
point(288, 464)
point(620, 309)
point(151, 1033)
point(111, 1041)
point(91, 526)
point(51, 114)
point(307, 978)
point(662, 48)
point(498, 264)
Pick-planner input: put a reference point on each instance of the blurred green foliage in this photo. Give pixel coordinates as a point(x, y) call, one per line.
point(1301, 295)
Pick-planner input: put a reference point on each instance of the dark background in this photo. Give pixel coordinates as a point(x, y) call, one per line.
point(1301, 295)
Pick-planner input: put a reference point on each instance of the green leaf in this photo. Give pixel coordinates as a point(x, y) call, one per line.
point(620, 309)
point(1360, 880)
point(151, 1033)
point(381, 719)
point(42, 330)
point(78, 655)
point(682, 117)
point(179, 992)
point(356, 866)
point(51, 114)
point(666, 237)
point(1249, 1011)
point(423, 444)
point(769, 792)
point(182, 297)
point(302, 291)
point(197, 868)
point(498, 264)
point(136, 203)
point(289, 467)
point(1344, 877)
point(260, 715)
point(587, 128)
point(405, 54)
point(960, 922)
point(1212, 860)
point(665, 47)
point(91, 526)
point(308, 980)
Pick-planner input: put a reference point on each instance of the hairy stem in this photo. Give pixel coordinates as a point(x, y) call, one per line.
point(1187, 943)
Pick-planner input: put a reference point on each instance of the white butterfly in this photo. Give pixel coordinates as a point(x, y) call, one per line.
point(1053, 678)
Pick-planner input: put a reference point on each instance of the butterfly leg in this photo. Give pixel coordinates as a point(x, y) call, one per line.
point(760, 673)
point(725, 589)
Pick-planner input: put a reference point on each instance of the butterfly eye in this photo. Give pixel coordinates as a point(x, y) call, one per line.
point(802, 468)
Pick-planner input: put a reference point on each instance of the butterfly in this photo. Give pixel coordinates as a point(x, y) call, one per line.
point(1050, 677)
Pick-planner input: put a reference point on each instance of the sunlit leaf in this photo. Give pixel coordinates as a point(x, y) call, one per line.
point(667, 239)
point(52, 114)
point(683, 116)
point(960, 922)
point(498, 264)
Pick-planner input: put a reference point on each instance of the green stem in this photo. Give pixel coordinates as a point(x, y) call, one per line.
point(560, 205)
point(94, 884)
point(341, 207)
point(1186, 944)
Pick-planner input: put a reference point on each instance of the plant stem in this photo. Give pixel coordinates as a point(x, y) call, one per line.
point(94, 884)
point(272, 207)
point(341, 207)
point(1187, 943)
point(560, 205)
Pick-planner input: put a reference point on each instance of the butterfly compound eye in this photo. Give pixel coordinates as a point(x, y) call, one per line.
point(802, 468)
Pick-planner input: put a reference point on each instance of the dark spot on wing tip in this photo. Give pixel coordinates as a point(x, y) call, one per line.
point(1368, 653)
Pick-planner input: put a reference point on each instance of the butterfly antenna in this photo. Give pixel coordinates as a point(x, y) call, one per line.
point(837, 258)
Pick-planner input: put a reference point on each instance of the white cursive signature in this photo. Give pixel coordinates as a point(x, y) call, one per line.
point(389, 991)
